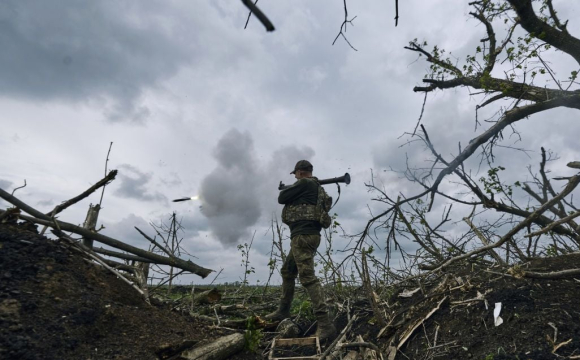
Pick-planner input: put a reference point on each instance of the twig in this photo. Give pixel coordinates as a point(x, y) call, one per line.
point(339, 337)
point(259, 14)
point(104, 181)
point(162, 248)
point(249, 16)
point(20, 187)
point(554, 224)
point(420, 115)
point(406, 334)
point(484, 241)
point(99, 260)
point(106, 162)
point(343, 27)
point(218, 274)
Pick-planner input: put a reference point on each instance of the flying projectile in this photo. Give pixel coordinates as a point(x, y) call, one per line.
point(187, 198)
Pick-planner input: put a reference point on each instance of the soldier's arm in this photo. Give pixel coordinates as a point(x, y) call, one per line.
point(292, 192)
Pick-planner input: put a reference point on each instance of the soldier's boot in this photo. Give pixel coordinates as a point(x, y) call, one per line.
point(325, 329)
point(283, 311)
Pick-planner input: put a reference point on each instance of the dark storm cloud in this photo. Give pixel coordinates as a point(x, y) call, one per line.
point(87, 51)
point(229, 193)
point(133, 185)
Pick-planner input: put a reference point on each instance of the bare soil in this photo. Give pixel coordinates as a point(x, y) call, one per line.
point(55, 305)
point(531, 311)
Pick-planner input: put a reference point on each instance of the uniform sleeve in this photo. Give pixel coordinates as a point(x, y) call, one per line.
point(293, 192)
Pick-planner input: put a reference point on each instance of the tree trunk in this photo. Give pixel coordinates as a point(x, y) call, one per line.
point(91, 223)
point(207, 297)
point(219, 349)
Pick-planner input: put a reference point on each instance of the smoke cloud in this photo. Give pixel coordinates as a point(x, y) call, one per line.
point(240, 189)
point(229, 193)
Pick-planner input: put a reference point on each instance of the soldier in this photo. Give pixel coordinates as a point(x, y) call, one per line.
point(300, 200)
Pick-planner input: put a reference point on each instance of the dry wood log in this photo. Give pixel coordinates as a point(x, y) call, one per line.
point(43, 219)
point(91, 224)
point(207, 297)
point(142, 273)
point(104, 181)
point(119, 266)
point(167, 351)
point(551, 275)
point(409, 331)
point(103, 251)
point(218, 349)
point(231, 308)
point(288, 329)
point(234, 324)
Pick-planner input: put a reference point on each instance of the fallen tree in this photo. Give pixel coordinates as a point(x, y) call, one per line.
point(40, 218)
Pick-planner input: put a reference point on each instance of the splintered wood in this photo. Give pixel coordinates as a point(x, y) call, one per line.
point(418, 323)
point(295, 349)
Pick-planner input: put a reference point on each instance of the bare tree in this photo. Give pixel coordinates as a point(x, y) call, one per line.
point(501, 227)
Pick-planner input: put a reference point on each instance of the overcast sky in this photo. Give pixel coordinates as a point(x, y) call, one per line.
point(196, 105)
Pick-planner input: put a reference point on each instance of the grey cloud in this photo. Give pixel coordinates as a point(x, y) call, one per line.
point(134, 186)
point(229, 193)
point(193, 225)
point(172, 180)
point(5, 184)
point(49, 202)
point(124, 230)
point(76, 51)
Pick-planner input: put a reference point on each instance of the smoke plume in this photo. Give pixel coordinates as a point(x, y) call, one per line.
point(229, 193)
point(240, 189)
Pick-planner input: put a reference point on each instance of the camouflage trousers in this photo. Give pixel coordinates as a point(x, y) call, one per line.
point(300, 260)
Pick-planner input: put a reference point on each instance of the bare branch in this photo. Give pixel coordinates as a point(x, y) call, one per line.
point(543, 31)
point(104, 181)
point(20, 187)
point(259, 14)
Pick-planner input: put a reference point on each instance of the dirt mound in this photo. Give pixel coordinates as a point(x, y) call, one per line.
point(55, 305)
point(453, 316)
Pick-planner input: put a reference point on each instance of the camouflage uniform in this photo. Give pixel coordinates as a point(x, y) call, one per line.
point(300, 262)
point(305, 239)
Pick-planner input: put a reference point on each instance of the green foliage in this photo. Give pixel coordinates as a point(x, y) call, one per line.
point(552, 251)
point(252, 336)
point(303, 307)
point(492, 184)
point(523, 53)
point(245, 252)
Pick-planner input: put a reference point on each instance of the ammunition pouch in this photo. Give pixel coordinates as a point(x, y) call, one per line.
point(308, 212)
